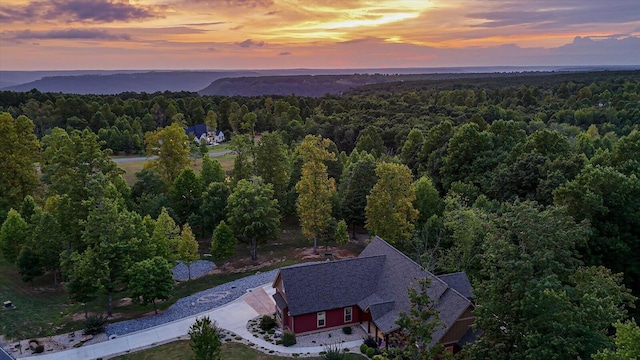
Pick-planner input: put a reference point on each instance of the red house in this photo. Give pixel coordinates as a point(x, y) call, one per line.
point(371, 291)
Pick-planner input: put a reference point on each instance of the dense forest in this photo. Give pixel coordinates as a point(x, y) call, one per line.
point(529, 184)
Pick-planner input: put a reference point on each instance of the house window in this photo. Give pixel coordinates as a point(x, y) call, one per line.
point(348, 314)
point(322, 319)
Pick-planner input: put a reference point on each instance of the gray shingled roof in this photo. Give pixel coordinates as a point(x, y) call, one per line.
point(377, 280)
point(460, 282)
point(330, 285)
point(280, 302)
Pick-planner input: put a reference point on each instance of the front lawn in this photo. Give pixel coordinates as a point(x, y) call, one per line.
point(180, 350)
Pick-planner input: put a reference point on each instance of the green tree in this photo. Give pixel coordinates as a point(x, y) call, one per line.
point(342, 233)
point(151, 279)
point(627, 343)
point(389, 211)
point(205, 339)
point(14, 235)
point(242, 145)
point(211, 120)
point(417, 326)
point(164, 238)
point(29, 265)
point(315, 189)
point(249, 123)
point(356, 183)
point(18, 156)
point(223, 242)
point(370, 141)
point(187, 248)
point(171, 146)
point(211, 171)
point(411, 150)
point(427, 202)
point(69, 163)
point(214, 205)
point(186, 194)
point(113, 237)
point(253, 213)
point(610, 201)
point(273, 164)
point(534, 300)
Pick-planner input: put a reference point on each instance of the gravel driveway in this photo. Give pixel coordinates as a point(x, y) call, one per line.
point(194, 304)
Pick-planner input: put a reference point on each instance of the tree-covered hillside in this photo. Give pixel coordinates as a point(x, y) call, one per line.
point(529, 184)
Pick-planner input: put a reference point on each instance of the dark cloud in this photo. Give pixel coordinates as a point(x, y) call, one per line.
point(234, 3)
point(211, 49)
point(237, 27)
point(77, 11)
point(78, 34)
point(284, 53)
point(249, 43)
point(547, 14)
point(271, 13)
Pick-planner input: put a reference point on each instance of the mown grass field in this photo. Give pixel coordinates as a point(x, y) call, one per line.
point(131, 168)
point(180, 350)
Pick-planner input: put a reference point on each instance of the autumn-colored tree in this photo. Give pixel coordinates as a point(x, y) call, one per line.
point(171, 146)
point(389, 211)
point(315, 188)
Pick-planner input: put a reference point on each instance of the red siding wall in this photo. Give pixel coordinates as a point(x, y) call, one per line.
point(334, 318)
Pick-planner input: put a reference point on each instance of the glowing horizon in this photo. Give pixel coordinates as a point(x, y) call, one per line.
point(276, 34)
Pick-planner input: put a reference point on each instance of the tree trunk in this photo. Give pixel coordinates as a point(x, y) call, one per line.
point(315, 242)
point(109, 304)
point(254, 250)
point(353, 231)
point(188, 271)
point(155, 308)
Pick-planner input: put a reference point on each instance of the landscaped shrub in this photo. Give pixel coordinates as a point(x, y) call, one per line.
point(94, 324)
point(347, 330)
point(371, 352)
point(267, 322)
point(288, 338)
point(371, 342)
point(363, 348)
point(333, 352)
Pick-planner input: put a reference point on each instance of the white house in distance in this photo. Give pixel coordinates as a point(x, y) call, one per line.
point(199, 132)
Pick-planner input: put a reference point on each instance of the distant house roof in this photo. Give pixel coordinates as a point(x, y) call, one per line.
point(377, 281)
point(196, 130)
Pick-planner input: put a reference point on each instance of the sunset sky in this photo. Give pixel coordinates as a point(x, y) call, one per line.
point(277, 34)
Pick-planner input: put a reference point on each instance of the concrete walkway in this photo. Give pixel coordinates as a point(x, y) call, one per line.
point(232, 316)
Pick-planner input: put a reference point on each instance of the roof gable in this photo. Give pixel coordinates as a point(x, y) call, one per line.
point(329, 285)
point(196, 130)
point(378, 281)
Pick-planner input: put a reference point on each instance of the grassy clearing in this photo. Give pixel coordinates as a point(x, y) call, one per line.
point(131, 168)
point(180, 350)
point(41, 310)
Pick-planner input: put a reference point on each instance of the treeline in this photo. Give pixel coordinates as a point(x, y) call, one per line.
point(533, 190)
